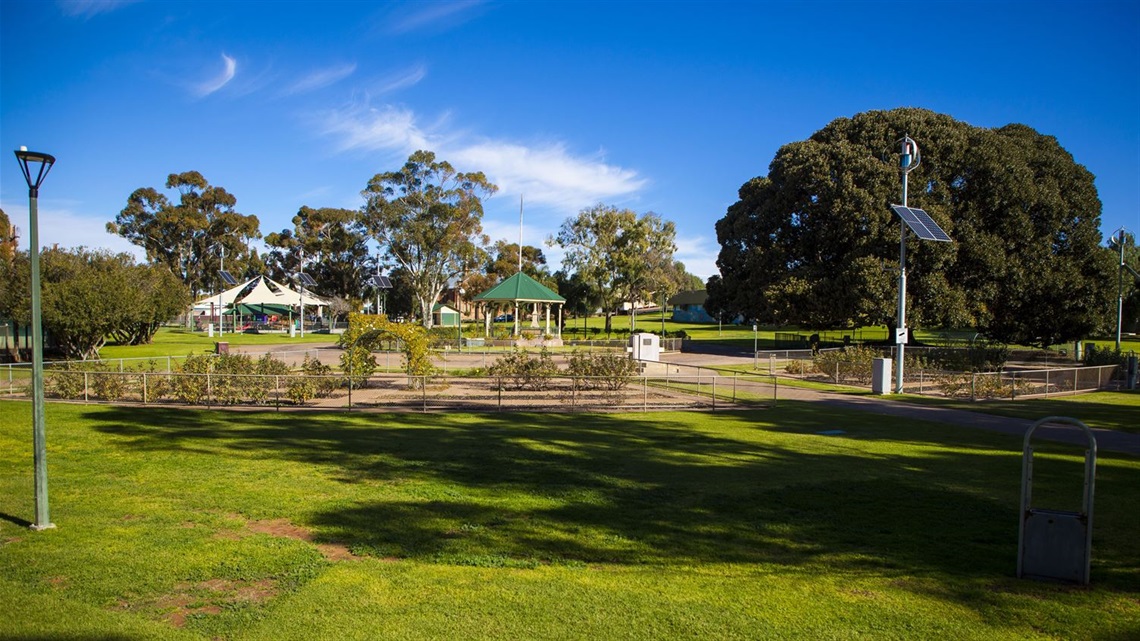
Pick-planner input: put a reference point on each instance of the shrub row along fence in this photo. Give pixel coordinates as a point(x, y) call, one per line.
point(1011, 383)
point(664, 390)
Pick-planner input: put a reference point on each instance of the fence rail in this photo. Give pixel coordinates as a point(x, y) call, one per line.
point(660, 390)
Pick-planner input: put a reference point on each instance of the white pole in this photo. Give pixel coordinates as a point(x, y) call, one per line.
point(909, 160)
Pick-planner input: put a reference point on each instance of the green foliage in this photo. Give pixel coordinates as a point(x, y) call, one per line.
point(601, 370)
point(851, 363)
point(427, 217)
point(367, 331)
point(333, 235)
point(807, 243)
point(619, 255)
point(358, 363)
point(300, 389)
point(979, 357)
point(522, 370)
point(192, 389)
point(89, 296)
point(67, 381)
point(1096, 355)
point(321, 376)
point(186, 236)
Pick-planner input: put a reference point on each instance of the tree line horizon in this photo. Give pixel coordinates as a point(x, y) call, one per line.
point(811, 243)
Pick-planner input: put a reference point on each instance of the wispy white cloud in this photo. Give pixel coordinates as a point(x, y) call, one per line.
point(698, 253)
point(229, 70)
point(320, 78)
point(548, 174)
point(89, 8)
point(366, 128)
point(399, 80)
point(430, 15)
point(61, 225)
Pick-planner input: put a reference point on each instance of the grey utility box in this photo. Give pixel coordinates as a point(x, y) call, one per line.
point(881, 376)
point(1055, 544)
point(645, 347)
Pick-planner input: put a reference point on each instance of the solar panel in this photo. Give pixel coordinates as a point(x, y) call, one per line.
point(227, 277)
point(380, 282)
point(306, 280)
point(921, 223)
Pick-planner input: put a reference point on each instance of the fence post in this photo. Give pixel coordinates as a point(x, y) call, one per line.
point(1046, 383)
point(973, 381)
point(499, 386)
point(144, 387)
point(277, 393)
point(84, 387)
point(1012, 386)
point(644, 393)
point(775, 391)
point(209, 392)
point(168, 370)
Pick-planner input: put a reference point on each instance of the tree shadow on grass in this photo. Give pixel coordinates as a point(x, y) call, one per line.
point(521, 489)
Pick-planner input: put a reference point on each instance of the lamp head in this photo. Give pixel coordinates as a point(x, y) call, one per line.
point(37, 163)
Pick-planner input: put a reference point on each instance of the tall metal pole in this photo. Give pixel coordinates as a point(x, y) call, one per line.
point(301, 300)
point(221, 309)
point(1120, 289)
point(907, 162)
point(39, 437)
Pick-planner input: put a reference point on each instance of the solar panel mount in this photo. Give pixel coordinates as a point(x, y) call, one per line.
point(380, 282)
point(921, 223)
point(306, 280)
point(227, 277)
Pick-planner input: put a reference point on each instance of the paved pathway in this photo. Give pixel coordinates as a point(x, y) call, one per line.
point(1107, 440)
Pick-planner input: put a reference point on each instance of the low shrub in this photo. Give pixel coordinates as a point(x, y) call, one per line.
point(601, 370)
point(521, 370)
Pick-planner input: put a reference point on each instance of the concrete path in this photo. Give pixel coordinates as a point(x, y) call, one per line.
point(1107, 440)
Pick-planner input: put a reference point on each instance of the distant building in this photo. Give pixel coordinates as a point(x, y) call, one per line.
point(444, 316)
point(689, 307)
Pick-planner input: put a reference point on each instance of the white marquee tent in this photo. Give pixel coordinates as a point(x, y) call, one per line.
point(261, 291)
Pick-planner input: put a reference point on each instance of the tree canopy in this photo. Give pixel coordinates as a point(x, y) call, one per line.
point(188, 236)
point(427, 218)
point(333, 248)
point(89, 296)
point(622, 256)
point(815, 243)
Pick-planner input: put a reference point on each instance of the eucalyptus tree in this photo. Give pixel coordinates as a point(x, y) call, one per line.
point(189, 236)
point(621, 255)
point(332, 246)
point(814, 242)
point(427, 218)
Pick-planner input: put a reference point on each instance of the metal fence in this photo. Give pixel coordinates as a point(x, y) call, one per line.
point(665, 388)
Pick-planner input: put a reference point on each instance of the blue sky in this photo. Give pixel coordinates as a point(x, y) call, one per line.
point(656, 106)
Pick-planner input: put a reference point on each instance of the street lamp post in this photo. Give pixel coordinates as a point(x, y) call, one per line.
point(28, 161)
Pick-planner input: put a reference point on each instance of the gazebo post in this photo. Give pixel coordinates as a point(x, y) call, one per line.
point(560, 321)
point(547, 306)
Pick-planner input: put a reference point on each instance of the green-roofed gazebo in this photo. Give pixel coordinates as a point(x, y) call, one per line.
point(521, 289)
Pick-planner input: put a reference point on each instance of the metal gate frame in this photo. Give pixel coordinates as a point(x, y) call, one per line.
point(1067, 522)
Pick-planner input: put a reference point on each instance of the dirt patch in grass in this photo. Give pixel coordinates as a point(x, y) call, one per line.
point(206, 598)
point(284, 528)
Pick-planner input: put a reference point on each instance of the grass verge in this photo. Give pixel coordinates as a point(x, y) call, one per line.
point(742, 525)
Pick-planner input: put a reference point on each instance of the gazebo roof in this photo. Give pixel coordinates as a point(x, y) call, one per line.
point(521, 288)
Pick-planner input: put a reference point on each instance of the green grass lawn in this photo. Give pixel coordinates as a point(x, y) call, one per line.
point(187, 524)
point(175, 341)
point(1110, 410)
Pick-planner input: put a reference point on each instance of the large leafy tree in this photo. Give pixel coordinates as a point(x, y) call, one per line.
point(90, 296)
point(333, 247)
point(427, 218)
point(621, 255)
point(815, 243)
point(188, 236)
point(7, 238)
